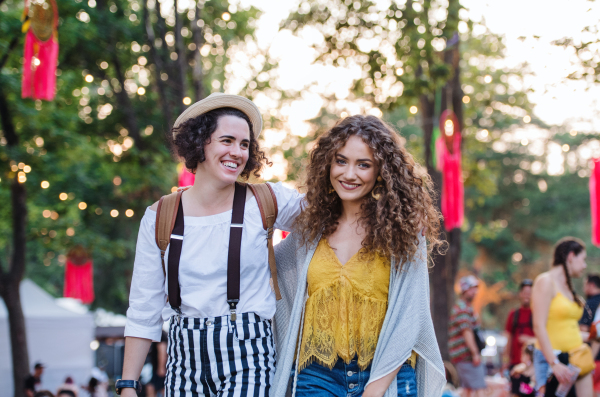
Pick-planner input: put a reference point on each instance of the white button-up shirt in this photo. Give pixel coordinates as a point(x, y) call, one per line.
point(203, 267)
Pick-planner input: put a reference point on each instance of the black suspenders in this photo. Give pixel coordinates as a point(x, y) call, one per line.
point(235, 244)
point(233, 257)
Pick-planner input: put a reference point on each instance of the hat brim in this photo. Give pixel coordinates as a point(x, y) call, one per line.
point(220, 100)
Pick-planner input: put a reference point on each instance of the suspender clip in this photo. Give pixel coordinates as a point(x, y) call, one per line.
point(232, 308)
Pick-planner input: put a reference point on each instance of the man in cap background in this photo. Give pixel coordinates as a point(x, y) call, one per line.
point(33, 381)
point(464, 352)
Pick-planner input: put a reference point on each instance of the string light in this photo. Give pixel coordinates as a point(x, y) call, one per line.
point(47, 213)
point(114, 213)
point(82, 205)
point(187, 100)
point(89, 78)
point(129, 213)
point(63, 196)
point(21, 177)
point(413, 110)
point(449, 127)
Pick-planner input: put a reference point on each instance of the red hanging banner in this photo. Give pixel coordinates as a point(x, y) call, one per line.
point(449, 162)
point(41, 50)
point(79, 276)
point(186, 178)
point(594, 204)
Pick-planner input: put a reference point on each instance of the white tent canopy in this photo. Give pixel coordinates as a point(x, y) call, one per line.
point(57, 337)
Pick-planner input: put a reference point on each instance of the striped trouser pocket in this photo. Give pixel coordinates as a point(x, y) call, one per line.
point(217, 357)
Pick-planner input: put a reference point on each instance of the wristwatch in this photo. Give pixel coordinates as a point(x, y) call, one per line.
point(123, 384)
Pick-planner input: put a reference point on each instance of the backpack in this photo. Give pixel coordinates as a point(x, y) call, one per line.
point(168, 206)
point(515, 324)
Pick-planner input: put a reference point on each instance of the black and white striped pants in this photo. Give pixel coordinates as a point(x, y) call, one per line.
point(217, 357)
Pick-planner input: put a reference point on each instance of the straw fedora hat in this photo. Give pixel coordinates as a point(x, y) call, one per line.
point(220, 100)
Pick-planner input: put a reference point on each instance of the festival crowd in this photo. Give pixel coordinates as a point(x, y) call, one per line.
point(552, 347)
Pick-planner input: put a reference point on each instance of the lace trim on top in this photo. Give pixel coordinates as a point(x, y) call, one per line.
point(345, 309)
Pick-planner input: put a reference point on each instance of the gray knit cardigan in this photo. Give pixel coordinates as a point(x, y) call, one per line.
point(407, 325)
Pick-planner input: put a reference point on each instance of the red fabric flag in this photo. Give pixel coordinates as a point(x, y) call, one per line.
point(79, 281)
point(448, 147)
point(186, 178)
point(594, 197)
point(41, 51)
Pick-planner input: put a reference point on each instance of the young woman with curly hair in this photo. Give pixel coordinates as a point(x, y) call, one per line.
point(212, 349)
point(358, 253)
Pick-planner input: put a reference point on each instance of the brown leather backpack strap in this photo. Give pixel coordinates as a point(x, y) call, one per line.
point(165, 220)
point(267, 203)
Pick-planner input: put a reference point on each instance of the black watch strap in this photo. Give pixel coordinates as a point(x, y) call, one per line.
point(123, 384)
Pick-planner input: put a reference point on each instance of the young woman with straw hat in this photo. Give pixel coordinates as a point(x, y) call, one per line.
point(213, 350)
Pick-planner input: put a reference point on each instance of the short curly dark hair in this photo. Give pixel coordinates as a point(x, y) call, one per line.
point(193, 135)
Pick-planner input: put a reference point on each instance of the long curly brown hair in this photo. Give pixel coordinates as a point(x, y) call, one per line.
point(405, 206)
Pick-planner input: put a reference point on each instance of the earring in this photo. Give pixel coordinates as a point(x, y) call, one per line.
point(376, 196)
point(331, 190)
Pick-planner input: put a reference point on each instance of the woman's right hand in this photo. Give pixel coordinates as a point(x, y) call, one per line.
point(561, 372)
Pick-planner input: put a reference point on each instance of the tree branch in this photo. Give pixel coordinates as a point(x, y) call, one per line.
point(11, 46)
point(8, 128)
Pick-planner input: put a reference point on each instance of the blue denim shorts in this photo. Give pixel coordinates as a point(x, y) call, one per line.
point(348, 380)
point(542, 369)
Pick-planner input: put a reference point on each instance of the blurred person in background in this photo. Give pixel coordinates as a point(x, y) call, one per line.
point(33, 381)
point(68, 386)
point(556, 312)
point(158, 359)
point(65, 393)
point(464, 352)
point(43, 393)
point(591, 289)
point(522, 375)
point(519, 327)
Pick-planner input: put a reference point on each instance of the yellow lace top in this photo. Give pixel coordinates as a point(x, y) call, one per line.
point(345, 308)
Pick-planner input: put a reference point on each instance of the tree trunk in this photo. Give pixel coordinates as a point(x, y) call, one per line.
point(10, 278)
point(18, 337)
point(181, 58)
point(198, 75)
point(439, 274)
point(158, 66)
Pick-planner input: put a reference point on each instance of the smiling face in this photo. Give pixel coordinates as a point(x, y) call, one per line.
point(228, 150)
point(353, 170)
point(576, 264)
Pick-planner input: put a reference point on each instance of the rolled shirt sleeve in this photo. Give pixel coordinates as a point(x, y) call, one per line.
point(289, 206)
point(147, 296)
